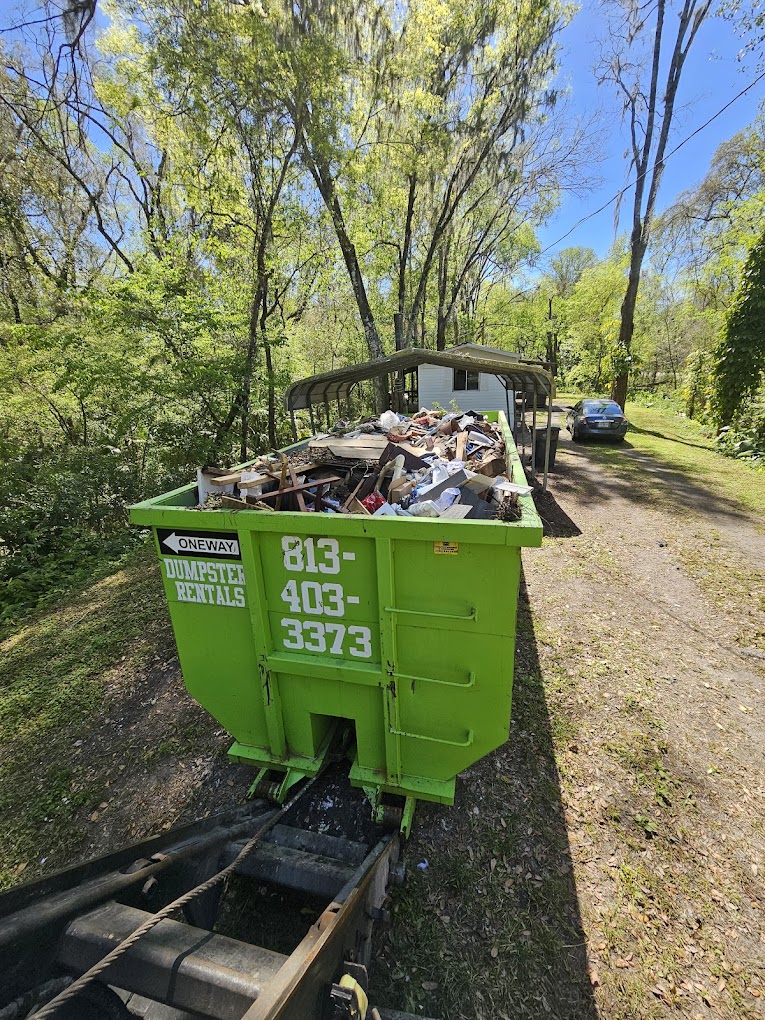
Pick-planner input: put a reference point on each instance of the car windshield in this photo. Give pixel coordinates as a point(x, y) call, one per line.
point(606, 407)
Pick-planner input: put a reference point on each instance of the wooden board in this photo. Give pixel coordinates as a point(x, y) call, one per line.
point(366, 447)
point(462, 441)
point(233, 479)
point(288, 489)
point(411, 461)
point(456, 512)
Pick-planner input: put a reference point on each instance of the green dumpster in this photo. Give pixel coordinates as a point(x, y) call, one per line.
point(289, 624)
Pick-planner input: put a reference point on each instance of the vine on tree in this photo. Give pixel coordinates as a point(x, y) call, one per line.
point(740, 355)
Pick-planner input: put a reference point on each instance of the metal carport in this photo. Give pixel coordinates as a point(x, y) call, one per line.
point(521, 376)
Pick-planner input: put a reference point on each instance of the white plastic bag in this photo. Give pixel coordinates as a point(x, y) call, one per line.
point(389, 420)
point(426, 508)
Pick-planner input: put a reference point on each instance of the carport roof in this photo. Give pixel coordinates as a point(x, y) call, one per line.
point(337, 384)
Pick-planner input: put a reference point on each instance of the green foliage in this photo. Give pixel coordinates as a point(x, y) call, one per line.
point(698, 389)
point(201, 219)
point(744, 438)
point(591, 330)
point(739, 359)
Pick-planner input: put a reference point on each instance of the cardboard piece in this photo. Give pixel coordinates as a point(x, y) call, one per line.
point(492, 466)
point(357, 507)
point(480, 484)
point(456, 512)
point(399, 490)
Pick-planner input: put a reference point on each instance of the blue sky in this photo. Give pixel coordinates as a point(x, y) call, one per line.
point(712, 76)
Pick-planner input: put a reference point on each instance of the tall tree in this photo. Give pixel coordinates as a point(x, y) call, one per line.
point(708, 231)
point(739, 360)
point(649, 49)
point(410, 117)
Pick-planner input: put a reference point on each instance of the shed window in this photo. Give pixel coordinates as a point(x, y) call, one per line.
point(464, 380)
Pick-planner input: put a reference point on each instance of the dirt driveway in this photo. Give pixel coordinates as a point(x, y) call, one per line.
point(609, 861)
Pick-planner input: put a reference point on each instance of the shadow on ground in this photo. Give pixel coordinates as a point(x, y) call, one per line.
point(488, 923)
point(556, 523)
point(669, 439)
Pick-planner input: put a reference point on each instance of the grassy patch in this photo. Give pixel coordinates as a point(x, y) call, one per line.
point(54, 679)
point(677, 447)
point(728, 585)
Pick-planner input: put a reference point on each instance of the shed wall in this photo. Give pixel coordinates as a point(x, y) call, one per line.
point(435, 385)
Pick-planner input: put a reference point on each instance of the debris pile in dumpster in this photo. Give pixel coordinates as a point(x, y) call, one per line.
point(434, 464)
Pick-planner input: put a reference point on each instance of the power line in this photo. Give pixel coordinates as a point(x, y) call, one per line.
point(645, 173)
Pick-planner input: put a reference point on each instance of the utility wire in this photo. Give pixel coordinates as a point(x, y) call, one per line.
point(632, 184)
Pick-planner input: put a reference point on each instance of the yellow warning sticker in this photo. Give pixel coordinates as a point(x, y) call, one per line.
point(446, 548)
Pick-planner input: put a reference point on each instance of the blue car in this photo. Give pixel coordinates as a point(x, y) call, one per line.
point(594, 417)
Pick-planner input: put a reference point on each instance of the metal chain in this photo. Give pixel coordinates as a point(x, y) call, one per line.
point(151, 922)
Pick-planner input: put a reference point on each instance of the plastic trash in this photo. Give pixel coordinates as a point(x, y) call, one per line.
point(205, 488)
point(389, 420)
point(251, 484)
point(373, 502)
point(502, 485)
point(426, 508)
point(445, 500)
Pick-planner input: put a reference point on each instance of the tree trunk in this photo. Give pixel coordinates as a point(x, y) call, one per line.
point(249, 367)
point(271, 397)
point(649, 164)
point(325, 182)
point(403, 265)
point(442, 310)
point(627, 323)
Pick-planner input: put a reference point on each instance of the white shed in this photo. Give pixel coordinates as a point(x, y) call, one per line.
point(467, 389)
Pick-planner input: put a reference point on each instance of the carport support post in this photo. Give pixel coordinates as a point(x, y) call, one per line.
point(294, 425)
point(310, 415)
point(547, 439)
point(534, 433)
point(523, 420)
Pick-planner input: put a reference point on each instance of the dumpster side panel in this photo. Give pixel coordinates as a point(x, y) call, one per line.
point(213, 634)
point(454, 663)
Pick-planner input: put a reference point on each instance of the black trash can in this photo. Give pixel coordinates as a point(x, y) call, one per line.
point(540, 434)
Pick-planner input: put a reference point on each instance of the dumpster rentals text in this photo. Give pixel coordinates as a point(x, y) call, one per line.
point(207, 582)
